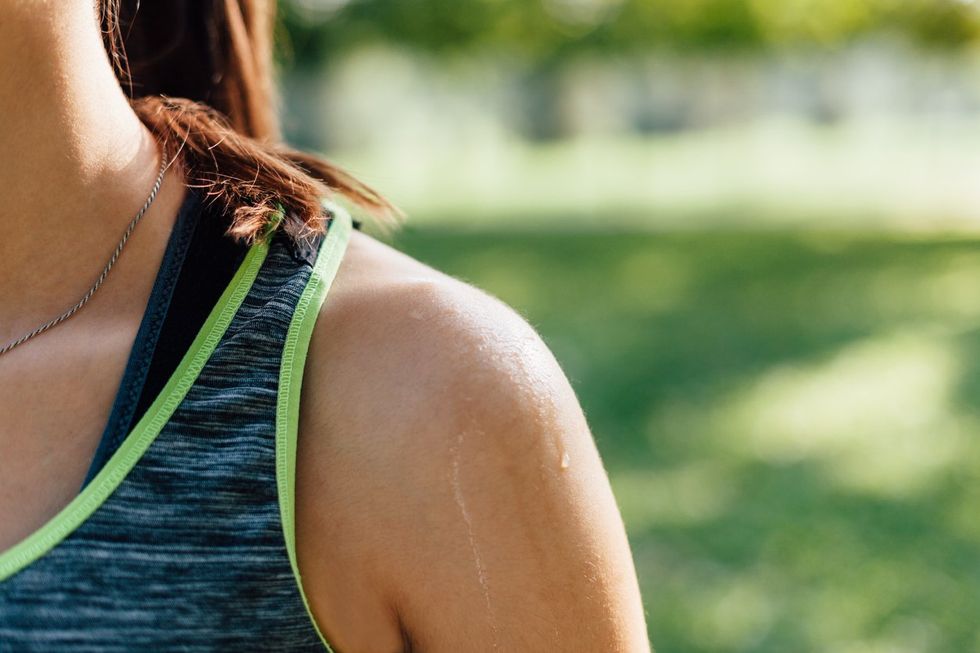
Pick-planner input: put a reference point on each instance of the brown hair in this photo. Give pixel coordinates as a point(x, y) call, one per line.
point(199, 74)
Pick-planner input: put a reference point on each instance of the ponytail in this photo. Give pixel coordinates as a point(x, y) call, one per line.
point(199, 75)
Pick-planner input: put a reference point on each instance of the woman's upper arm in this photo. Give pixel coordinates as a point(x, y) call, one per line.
point(513, 538)
point(450, 492)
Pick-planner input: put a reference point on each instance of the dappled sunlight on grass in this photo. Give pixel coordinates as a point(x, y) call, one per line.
point(681, 495)
point(877, 414)
point(669, 279)
point(733, 610)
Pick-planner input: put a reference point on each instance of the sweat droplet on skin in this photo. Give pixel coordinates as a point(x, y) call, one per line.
point(566, 460)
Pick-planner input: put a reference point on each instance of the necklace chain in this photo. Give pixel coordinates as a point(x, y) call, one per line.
point(105, 271)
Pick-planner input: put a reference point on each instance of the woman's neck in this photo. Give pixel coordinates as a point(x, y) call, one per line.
point(77, 162)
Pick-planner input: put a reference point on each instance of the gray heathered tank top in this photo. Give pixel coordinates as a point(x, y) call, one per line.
point(184, 541)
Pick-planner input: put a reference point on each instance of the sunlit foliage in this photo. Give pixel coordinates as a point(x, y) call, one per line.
point(545, 29)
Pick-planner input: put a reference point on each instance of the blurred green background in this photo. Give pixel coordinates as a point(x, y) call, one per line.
point(748, 230)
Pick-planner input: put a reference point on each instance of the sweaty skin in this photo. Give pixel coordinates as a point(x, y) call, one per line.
point(450, 495)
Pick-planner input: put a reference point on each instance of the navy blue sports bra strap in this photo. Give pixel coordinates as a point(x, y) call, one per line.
point(124, 407)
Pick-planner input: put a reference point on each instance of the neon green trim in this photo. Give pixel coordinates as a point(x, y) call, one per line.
point(274, 221)
point(291, 379)
point(147, 428)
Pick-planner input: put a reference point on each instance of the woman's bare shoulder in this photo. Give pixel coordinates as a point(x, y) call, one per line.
point(400, 348)
point(448, 486)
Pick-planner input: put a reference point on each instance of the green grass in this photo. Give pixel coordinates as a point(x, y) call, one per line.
point(789, 420)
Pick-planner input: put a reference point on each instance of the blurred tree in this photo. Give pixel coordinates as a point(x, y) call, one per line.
point(543, 30)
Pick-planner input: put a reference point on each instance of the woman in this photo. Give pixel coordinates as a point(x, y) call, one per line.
point(164, 482)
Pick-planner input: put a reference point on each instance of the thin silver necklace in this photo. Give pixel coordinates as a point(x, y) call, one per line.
point(105, 271)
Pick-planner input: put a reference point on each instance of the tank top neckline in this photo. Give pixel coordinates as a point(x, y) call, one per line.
point(139, 438)
point(198, 263)
point(199, 499)
point(147, 335)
